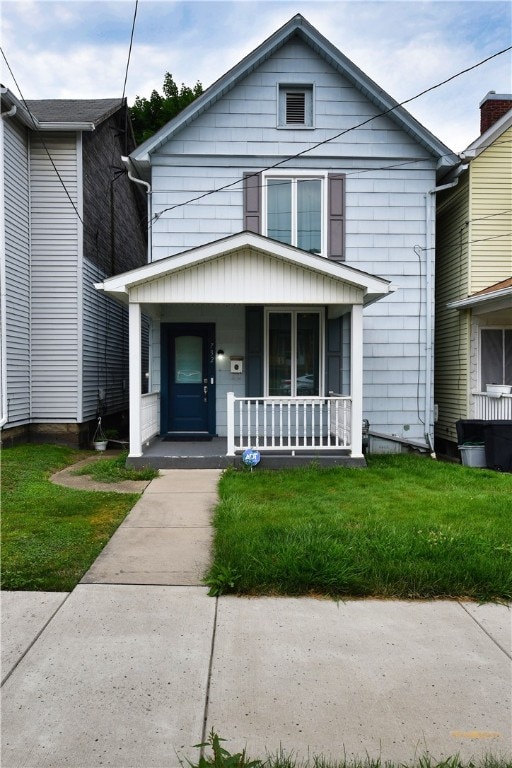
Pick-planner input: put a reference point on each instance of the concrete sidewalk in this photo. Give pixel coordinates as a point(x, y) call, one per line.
point(134, 674)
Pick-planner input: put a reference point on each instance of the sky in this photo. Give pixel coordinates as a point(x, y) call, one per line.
point(78, 50)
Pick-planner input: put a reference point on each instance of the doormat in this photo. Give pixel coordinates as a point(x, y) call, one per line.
point(187, 437)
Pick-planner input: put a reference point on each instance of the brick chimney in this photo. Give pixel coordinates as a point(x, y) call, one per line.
point(493, 106)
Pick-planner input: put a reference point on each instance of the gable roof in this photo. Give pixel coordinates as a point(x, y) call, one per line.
point(62, 114)
point(298, 26)
point(240, 250)
point(499, 290)
point(491, 134)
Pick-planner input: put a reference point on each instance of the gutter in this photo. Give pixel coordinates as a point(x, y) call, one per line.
point(430, 202)
point(128, 164)
point(472, 301)
point(3, 289)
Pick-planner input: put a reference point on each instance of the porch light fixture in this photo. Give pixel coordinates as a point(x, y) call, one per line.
point(220, 353)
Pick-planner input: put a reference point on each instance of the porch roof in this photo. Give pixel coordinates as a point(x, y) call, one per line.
point(247, 269)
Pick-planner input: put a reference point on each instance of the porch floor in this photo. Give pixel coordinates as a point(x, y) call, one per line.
point(211, 454)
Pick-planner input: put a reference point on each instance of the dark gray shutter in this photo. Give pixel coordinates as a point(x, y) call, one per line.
point(336, 216)
point(252, 202)
point(254, 351)
point(335, 374)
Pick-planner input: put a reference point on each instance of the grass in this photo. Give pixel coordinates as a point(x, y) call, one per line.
point(406, 527)
point(50, 534)
point(219, 757)
point(114, 470)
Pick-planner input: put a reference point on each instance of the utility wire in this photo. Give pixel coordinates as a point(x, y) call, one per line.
point(336, 136)
point(36, 128)
point(130, 48)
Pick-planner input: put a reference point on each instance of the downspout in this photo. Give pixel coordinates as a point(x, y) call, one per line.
point(430, 211)
point(3, 290)
point(127, 163)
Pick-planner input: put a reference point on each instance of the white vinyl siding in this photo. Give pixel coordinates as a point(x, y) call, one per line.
point(17, 267)
point(55, 278)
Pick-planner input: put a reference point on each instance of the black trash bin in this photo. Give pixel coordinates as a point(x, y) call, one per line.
point(498, 445)
point(470, 430)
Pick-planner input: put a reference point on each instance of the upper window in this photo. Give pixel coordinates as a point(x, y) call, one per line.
point(495, 356)
point(295, 106)
point(294, 211)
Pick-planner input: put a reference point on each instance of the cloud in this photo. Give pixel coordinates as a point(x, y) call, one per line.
point(78, 49)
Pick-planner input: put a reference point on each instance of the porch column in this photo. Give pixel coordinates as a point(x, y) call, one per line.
point(356, 379)
point(135, 379)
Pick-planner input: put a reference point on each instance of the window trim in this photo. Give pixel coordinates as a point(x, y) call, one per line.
point(502, 328)
point(294, 311)
point(294, 176)
point(308, 89)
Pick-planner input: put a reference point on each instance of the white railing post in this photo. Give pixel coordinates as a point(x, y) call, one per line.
point(356, 380)
point(231, 423)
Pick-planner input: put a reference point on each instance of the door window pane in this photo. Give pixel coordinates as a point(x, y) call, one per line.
point(309, 217)
point(188, 362)
point(279, 354)
point(279, 210)
point(308, 353)
point(508, 357)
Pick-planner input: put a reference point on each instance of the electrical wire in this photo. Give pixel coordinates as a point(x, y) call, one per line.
point(130, 48)
point(336, 136)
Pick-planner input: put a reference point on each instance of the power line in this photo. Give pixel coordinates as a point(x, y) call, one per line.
point(130, 48)
point(336, 136)
point(36, 128)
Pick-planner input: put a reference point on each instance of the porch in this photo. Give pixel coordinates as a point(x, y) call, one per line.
point(250, 339)
point(286, 431)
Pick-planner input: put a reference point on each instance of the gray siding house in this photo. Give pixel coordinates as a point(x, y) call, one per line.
point(70, 218)
point(291, 263)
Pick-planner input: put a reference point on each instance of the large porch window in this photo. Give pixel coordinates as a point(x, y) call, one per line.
point(495, 356)
point(294, 353)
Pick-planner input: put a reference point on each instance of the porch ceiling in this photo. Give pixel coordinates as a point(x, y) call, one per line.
point(247, 269)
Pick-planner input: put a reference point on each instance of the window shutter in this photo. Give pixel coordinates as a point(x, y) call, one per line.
point(254, 351)
point(252, 202)
point(295, 108)
point(336, 216)
point(337, 355)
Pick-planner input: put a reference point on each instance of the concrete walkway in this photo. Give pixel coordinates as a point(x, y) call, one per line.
point(135, 666)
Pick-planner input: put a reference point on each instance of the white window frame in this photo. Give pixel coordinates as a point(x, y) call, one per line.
point(481, 328)
point(294, 176)
point(308, 89)
point(294, 311)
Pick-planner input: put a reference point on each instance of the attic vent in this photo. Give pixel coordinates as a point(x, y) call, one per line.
point(295, 107)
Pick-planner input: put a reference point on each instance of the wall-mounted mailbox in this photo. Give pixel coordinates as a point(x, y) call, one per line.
point(237, 364)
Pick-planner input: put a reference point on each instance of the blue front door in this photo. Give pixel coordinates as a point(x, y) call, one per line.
point(188, 379)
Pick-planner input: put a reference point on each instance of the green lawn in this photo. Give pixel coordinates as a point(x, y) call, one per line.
point(406, 527)
point(51, 535)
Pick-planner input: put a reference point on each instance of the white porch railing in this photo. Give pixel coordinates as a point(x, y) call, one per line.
point(288, 423)
point(149, 415)
point(486, 407)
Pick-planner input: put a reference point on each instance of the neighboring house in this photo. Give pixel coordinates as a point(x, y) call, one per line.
point(474, 279)
point(285, 201)
point(70, 217)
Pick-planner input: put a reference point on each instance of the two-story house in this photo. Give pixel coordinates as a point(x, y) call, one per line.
point(291, 264)
point(474, 280)
point(70, 217)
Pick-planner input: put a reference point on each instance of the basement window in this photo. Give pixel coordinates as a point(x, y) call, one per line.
point(295, 106)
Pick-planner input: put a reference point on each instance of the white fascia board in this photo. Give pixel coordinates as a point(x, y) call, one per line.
point(48, 126)
point(473, 301)
point(369, 283)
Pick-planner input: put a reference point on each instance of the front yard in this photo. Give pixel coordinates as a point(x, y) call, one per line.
point(406, 527)
point(51, 535)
